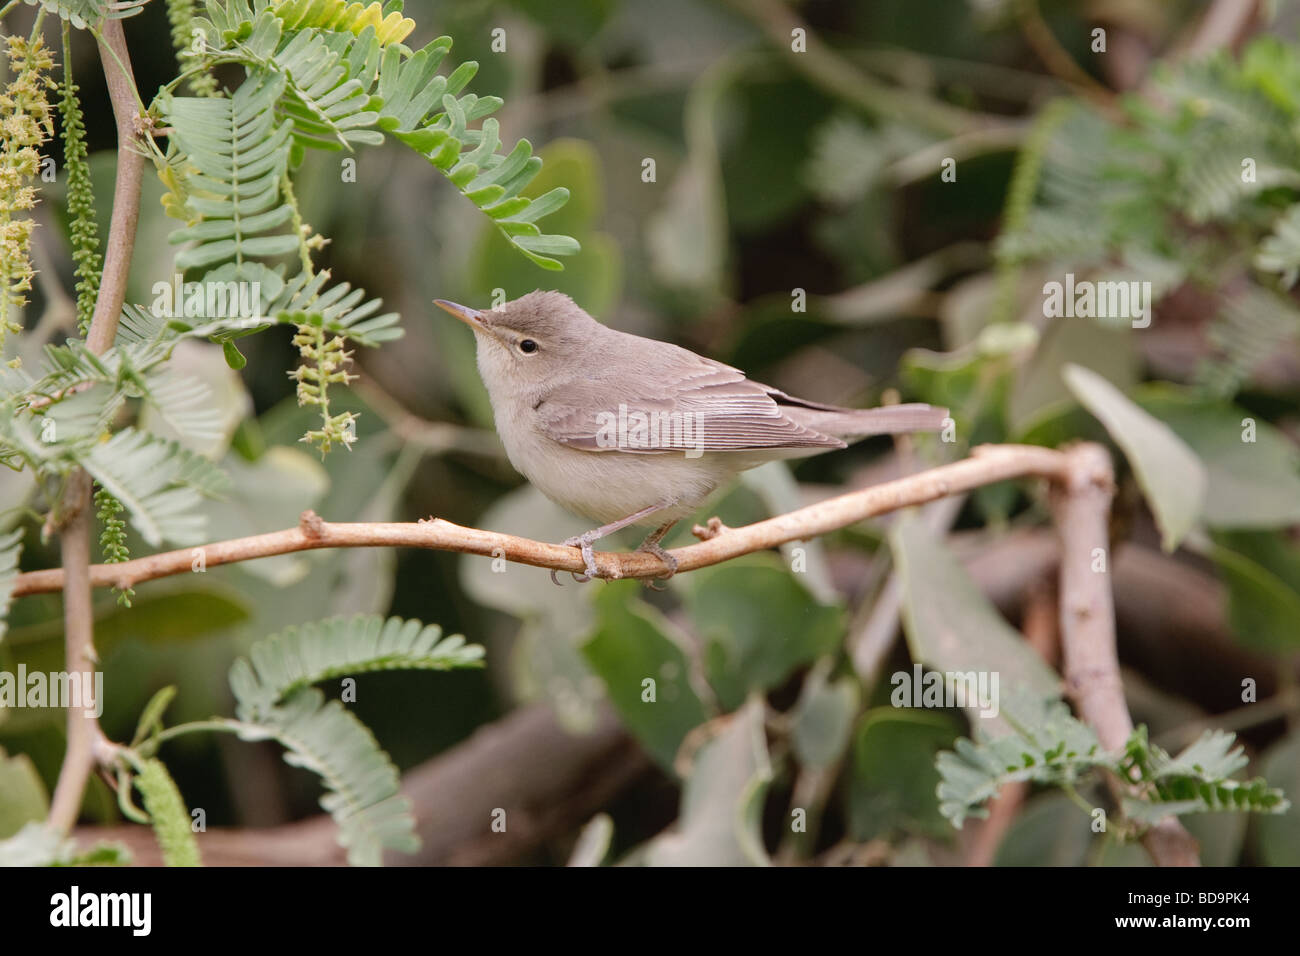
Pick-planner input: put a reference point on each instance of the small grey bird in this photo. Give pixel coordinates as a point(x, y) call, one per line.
point(627, 430)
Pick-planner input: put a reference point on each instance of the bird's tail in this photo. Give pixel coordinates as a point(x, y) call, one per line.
point(851, 424)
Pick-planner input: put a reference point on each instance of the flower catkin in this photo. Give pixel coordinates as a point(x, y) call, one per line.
point(26, 125)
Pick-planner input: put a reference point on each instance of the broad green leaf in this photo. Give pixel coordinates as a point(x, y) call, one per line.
point(951, 626)
point(1252, 469)
point(722, 799)
point(1262, 573)
point(1110, 351)
point(1276, 839)
point(646, 673)
point(1171, 476)
point(22, 794)
point(894, 779)
point(757, 624)
point(823, 718)
point(774, 483)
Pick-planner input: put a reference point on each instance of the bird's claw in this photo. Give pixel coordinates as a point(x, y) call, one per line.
point(663, 555)
point(583, 543)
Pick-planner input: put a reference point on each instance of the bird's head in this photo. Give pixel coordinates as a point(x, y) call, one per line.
point(531, 339)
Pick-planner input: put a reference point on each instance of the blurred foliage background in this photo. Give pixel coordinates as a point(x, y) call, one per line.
point(715, 175)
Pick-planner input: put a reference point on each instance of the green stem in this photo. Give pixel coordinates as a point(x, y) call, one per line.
point(223, 724)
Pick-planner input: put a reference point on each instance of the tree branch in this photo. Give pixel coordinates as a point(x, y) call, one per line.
point(1088, 625)
point(126, 187)
point(987, 464)
point(84, 734)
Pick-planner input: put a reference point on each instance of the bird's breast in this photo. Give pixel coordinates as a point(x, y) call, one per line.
point(608, 485)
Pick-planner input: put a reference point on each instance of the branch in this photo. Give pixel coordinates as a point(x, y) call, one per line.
point(84, 735)
point(126, 188)
point(987, 464)
point(1088, 626)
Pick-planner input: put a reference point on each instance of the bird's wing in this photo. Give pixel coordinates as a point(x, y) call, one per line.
point(693, 404)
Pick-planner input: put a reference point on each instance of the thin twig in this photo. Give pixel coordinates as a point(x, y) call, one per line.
point(987, 464)
point(74, 513)
point(1088, 625)
point(126, 188)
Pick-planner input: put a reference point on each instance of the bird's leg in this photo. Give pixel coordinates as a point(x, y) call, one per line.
point(584, 541)
point(651, 546)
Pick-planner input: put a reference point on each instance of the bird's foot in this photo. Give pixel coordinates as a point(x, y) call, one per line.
point(583, 543)
point(670, 563)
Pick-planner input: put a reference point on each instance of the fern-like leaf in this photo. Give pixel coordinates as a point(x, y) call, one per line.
point(339, 15)
point(1280, 251)
point(239, 156)
point(274, 699)
point(158, 482)
point(299, 656)
point(1052, 747)
point(86, 13)
point(363, 794)
point(1196, 781)
point(11, 546)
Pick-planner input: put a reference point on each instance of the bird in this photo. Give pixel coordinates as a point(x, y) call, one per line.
point(626, 430)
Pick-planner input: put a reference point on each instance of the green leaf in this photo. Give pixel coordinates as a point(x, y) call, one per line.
point(952, 627)
point(1195, 781)
point(1110, 351)
point(1171, 476)
point(569, 189)
point(237, 155)
point(150, 721)
point(1252, 469)
point(36, 845)
point(1056, 749)
point(894, 779)
point(23, 798)
point(274, 699)
point(757, 624)
point(822, 719)
point(362, 785)
point(722, 799)
point(11, 546)
point(159, 482)
point(83, 14)
point(1276, 839)
point(297, 657)
point(634, 644)
point(1262, 574)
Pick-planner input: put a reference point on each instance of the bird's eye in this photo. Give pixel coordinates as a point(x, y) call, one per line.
point(527, 346)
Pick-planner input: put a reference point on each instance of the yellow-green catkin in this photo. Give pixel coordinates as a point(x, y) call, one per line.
point(82, 227)
point(25, 125)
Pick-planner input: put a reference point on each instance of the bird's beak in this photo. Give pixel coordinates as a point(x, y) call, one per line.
point(471, 317)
